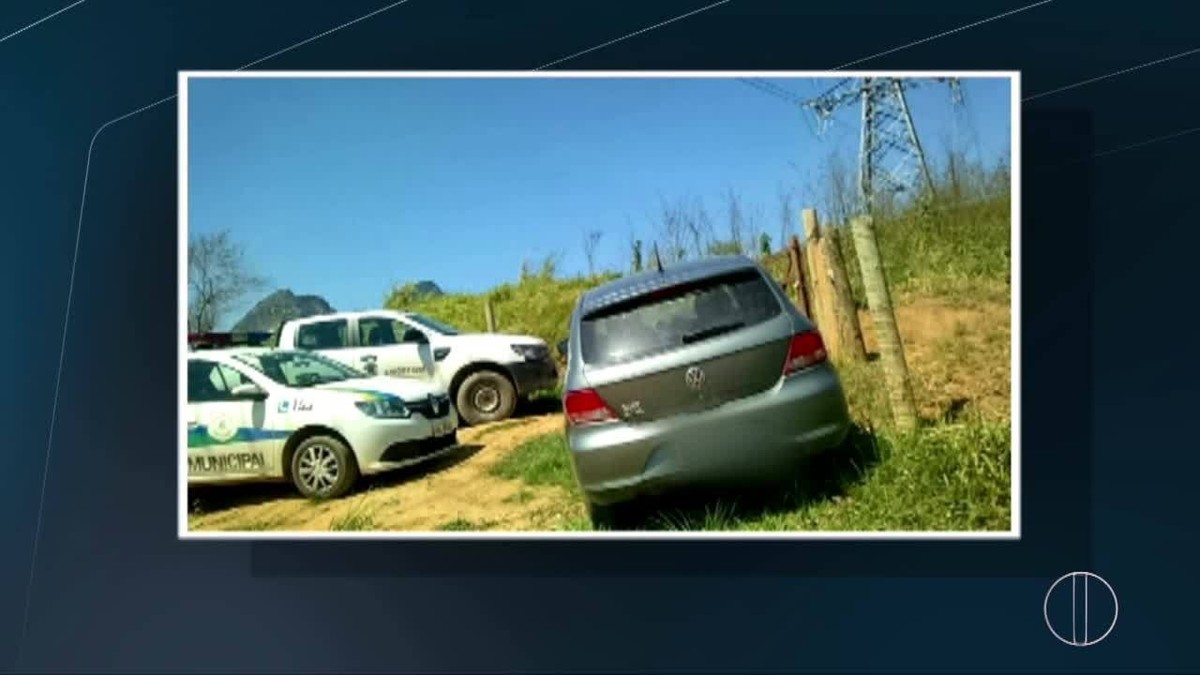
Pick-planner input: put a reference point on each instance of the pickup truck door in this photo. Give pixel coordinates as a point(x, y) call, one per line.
point(391, 348)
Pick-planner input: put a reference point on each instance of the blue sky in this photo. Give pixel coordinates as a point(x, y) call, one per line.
point(345, 187)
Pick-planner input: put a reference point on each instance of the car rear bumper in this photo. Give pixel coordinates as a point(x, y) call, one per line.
point(531, 376)
point(752, 438)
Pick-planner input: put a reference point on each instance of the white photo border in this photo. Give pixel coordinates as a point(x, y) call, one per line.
point(1013, 534)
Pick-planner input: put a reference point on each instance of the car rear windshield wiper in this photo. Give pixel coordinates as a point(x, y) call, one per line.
point(712, 331)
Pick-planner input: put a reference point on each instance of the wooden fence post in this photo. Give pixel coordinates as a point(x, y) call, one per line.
point(833, 303)
point(489, 315)
point(800, 284)
point(879, 300)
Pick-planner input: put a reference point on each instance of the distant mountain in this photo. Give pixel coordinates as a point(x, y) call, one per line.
point(405, 295)
point(280, 306)
point(426, 289)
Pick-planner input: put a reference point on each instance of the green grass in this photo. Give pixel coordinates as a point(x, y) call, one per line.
point(540, 461)
point(355, 519)
point(575, 524)
point(960, 254)
point(463, 525)
point(939, 478)
point(554, 394)
point(947, 478)
point(946, 253)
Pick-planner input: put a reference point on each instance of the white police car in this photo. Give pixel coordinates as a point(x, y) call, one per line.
point(266, 414)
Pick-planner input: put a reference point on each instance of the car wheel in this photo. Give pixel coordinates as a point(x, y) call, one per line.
point(486, 396)
point(323, 468)
point(618, 516)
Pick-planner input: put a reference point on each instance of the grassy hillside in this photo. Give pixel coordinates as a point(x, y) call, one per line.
point(536, 305)
point(960, 253)
point(949, 271)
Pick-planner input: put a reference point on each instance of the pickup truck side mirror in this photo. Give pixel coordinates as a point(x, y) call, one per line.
point(249, 392)
point(562, 348)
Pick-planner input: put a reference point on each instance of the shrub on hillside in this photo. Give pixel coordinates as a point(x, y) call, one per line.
point(538, 305)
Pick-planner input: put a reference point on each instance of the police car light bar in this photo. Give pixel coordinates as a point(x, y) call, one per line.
point(227, 340)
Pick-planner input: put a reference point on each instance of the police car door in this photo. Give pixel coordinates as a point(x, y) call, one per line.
point(393, 348)
point(226, 435)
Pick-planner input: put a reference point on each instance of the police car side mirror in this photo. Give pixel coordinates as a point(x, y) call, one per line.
point(249, 392)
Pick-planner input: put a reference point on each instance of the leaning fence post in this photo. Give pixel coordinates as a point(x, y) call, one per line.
point(800, 284)
point(834, 308)
point(879, 300)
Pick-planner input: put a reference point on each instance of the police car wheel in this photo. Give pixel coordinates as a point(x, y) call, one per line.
point(486, 396)
point(323, 468)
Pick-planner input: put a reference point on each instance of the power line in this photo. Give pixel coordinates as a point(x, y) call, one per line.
point(891, 158)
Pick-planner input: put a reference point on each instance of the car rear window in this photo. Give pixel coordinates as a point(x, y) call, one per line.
point(673, 317)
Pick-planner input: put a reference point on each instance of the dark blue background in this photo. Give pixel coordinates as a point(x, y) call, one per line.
point(1109, 457)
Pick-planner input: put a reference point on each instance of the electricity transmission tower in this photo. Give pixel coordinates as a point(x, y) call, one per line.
point(890, 158)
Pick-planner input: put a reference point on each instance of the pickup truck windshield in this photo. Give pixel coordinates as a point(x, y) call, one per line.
point(299, 369)
point(432, 324)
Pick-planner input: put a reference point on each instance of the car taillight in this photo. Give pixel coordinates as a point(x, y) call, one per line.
point(586, 407)
point(807, 349)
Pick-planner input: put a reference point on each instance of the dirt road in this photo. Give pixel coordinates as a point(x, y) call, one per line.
point(456, 492)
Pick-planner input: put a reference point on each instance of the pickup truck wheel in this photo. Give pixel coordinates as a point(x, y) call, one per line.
point(323, 468)
point(486, 396)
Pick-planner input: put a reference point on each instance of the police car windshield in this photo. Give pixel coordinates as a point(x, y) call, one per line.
point(299, 369)
point(432, 324)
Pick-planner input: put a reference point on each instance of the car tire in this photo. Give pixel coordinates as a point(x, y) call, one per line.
point(486, 396)
point(618, 516)
point(322, 467)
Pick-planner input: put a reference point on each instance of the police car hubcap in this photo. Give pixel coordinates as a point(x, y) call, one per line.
point(318, 468)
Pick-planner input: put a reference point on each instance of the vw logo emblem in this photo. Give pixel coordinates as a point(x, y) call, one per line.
point(694, 378)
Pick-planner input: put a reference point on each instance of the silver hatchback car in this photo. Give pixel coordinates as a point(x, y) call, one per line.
point(701, 372)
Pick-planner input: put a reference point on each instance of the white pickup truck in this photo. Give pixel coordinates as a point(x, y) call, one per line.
point(485, 373)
